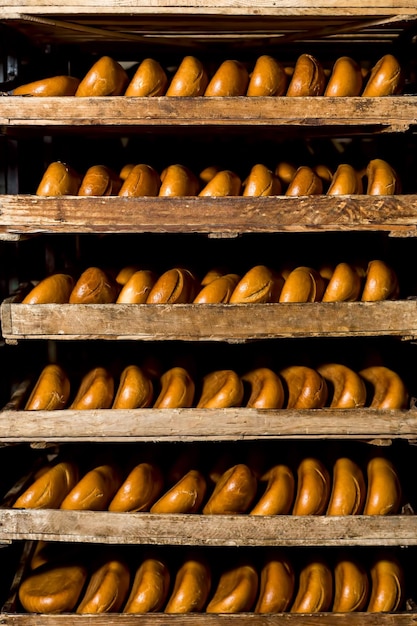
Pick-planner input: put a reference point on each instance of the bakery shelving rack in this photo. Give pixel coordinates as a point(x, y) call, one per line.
point(111, 26)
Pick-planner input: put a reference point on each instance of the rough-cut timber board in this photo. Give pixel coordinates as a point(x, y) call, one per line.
point(219, 217)
point(207, 322)
point(390, 114)
point(204, 530)
point(236, 424)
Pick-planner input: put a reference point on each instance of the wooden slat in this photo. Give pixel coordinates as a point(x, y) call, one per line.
point(395, 113)
point(214, 322)
point(213, 530)
point(194, 424)
point(229, 217)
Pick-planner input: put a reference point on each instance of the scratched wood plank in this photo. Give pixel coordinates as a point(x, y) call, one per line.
point(232, 424)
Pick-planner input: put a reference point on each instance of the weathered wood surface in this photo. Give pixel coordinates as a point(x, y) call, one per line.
point(207, 530)
point(225, 216)
point(214, 322)
point(395, 113)
point(194, 424)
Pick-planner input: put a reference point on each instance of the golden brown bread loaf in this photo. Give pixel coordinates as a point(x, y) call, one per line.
point(260, 284)
point(345, 79)
point(348, 390)
point(125, 170)
point(303, 284)
point(94, 286)
point(224, 183)
point(139, 490)
point(305, 182)
point(59, 179)
point(268, 78)
point(233, 493)
point(96, 390)
point(345, 181)
point(53, 86)
point(191, 587)
point(178, 180)
point(51, 391)
point(313, 488)
point(106, 77)
point(218, 290)
point(100, 180)
point(53, 588)
point(308, 78)
point(50, 488)
point(265, 389)
point(221, 389)
point(175, 286)
point(136, 289)
point(348, 488)
point(95, 490)
point(236, 590)
point(186, 496)
point(386, 388)
point(207, 173)
point(387, 585)
point(306, 388)
point(285, 172)
point(344, 284)
point(55, 289)
point(142, 180)
point(230, 79)
point(261, 182)
point(315, 590)
point(381, 282)
point(107, 588)
point(385, 79)
point(135, 390)
point(384, 488)
point(190, 79)
point(383, 180)
point(125, 273)
point(278, 496)
point(276, 585)
point(177, 389)
point(150, 587)
point(351, 586)
point(149, 79)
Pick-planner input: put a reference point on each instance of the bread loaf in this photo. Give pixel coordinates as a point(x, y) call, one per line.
point(142, 180)
point(305, 182)
point(308, 78)
point(137, 288)
point(150, 79)
point(47, 87)
point(345, 181)
point(306, 388)
point(324, 172)
point(313, 488)
point(50, 488)
point(218, 291)
point(106, 77)
point(51, 391)
point(268, 78)
point(135, 390)
point(345, 284)
point(139, 490)
point(285, 172)
point(265, 389)
point(385, 79)
point(221, 389)
point(178, 180)
point(177, 389)
point(100, 180)
point(259, 284)
point(190, 79)
point(303, 284)
point(387, 585)
point(278, 496)
point(315, 590)
point(224, 183)
point(261, 182)
point(53, 588)
point(382, 179)
point(59, 179)
point(191, 587)
point(385, 387)
point(150, 587)
point(95, 490)
point(54, 289)
point(125, 274)
point(207, 173)
point(175, 286)
point(107, 588)
point(125, 170)
point(186, 496)
point(94, 286)
point(345, 79)
point(348, 390)
point(236, 590)
point(96, 390)
point(381, 282)
point(384, 489)
point(233, 493)
point(348, 492)
point(230, 79)
point(351, 586)
point(276, 586)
